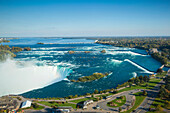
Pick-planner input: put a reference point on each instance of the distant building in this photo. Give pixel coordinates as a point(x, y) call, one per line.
point(153, 50)
point(26, 104)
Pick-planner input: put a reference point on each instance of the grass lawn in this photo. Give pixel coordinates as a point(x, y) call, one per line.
point(161, 74)
point(139, 100)
point(57, 104)
point(80, 100)
point(123, 101)
point(39, 107)
point(158, 101)
point(151, 84)
point(161, 102)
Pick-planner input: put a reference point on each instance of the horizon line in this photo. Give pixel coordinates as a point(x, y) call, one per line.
point(79, 36)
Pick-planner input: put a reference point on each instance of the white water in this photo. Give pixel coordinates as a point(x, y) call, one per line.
point(146, 71)
point(134, 74)
point(124, 52)
point(16, 79)
point(116, 61)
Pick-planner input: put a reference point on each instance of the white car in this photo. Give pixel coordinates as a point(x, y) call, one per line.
point(97, 107)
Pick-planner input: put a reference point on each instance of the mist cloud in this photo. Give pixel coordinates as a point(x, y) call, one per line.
point(16, 78)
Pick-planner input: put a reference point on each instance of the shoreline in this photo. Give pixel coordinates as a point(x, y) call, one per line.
point(115, 46)
point(136, 48)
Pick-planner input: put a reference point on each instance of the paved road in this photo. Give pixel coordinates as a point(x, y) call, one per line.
point(152, 94)
point(129, 98)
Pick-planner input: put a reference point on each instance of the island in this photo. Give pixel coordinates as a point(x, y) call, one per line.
point(71, 52)
point(94, 76)
point(6, 51)
point(4, 41)
point(27, 49)
point(103, 51)
point(40, 43)
point(87, 52)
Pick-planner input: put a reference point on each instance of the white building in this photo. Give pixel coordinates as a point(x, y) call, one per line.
point(87, 102)
point(153, 50)
point(26, 104)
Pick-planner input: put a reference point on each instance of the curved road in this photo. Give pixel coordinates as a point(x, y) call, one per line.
point(152, 94)
point(129, 98)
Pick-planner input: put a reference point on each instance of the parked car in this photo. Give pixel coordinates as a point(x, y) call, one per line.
point(97, 107)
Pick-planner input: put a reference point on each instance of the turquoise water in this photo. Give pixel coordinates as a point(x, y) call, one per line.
point(123, 63)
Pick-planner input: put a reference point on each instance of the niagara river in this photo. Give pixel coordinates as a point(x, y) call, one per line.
point(47, 69)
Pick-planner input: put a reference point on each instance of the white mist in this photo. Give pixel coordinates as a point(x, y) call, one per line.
point(16, 79)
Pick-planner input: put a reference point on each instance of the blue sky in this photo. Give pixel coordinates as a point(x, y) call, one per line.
point(34, 18)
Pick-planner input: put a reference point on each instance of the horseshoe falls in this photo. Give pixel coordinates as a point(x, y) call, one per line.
point(47, 69)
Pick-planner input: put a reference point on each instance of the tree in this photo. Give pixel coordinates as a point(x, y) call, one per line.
point(130, 84)
point(120, 109)
point(121, 97)
point(167, 104)
point(87, 93)
point(96, 91)
point(131, 80)
point(159, 108)
point(145, 93)
point(159, 70)
point(167, 83)
point(141, 81)
point(101, 97)
point(147, 84)
point(137, 81)
point(161, 92)
point(75, 96)
point(70, 96)
point(101, 92)
point(146, 78)
point(35, 105)
point(140, 77)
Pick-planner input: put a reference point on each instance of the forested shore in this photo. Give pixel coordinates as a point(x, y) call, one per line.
point(161, 44)
point(9, 52)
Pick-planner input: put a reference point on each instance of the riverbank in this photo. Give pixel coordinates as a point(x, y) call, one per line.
point(159, 51)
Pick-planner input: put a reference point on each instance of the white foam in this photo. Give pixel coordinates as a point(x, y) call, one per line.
point(43, 53)
point(116, 61)
point(16, 78)
point(146, 71)
point(110, 73)
point(66, 79)
point(134, 74)
point(51, 48)
point(67, 64)
point(124, 52)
